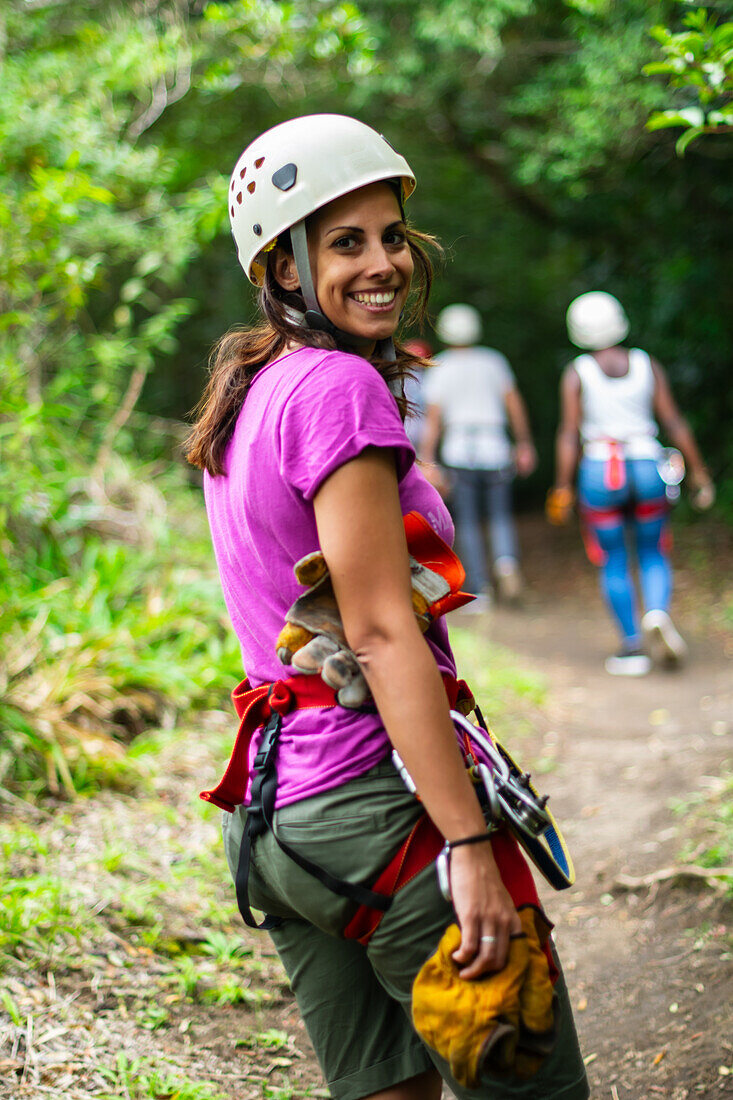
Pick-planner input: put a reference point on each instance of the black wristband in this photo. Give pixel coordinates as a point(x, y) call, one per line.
point(478, 838)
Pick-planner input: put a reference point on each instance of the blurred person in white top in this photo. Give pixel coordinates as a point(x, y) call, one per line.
point(612, 399)
point(472, 406)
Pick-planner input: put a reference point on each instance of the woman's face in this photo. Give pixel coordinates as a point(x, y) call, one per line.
point(361, 261)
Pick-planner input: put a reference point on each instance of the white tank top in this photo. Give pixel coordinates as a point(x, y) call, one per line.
point(618, 409)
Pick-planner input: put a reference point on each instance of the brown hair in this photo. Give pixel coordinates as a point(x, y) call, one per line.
point(243, 351)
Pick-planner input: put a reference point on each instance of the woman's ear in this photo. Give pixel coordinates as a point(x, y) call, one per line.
point(284, 269)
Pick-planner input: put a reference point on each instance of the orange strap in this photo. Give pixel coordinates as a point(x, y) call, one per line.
point(420, 849)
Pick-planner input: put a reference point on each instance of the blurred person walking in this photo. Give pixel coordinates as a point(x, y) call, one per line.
point(472, 397)
point(610, 397)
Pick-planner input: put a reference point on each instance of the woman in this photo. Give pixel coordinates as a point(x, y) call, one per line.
point(304, 448)
point(610, 397)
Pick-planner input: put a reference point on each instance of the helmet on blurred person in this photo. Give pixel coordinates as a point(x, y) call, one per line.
point(296, 168)
point(596, 320)
point(459, 325)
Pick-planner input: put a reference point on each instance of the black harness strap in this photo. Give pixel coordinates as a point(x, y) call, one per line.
point(260, 816)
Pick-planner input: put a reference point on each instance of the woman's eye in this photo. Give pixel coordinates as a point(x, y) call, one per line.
point(395, 237)
point(344, 242)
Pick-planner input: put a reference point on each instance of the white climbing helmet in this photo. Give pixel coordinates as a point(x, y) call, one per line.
point(297, 167)
point(596, 320)
point(459, 325)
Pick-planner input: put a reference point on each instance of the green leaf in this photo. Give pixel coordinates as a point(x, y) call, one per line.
point(688, 137)
point(662, 119)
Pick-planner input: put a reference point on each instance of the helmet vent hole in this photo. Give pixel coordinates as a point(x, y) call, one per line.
point(239, 197)
point(231, 208)
point(251, 187)
point(243, 173)
point(259, 162)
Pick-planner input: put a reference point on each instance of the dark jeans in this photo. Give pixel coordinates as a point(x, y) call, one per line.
point(479, 495)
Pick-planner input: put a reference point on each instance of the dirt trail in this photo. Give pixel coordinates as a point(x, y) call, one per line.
point(648, 969)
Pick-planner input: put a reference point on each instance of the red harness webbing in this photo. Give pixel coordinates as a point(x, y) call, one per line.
point(255, 705)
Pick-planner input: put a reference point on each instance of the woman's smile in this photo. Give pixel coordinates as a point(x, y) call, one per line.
point(375, 299)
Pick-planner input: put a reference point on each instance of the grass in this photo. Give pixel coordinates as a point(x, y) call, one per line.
point(108, 635)
point(508, 694)
point(708, 815)
point(139, 1078)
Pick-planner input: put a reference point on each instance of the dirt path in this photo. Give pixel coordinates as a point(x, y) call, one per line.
point(648, 969)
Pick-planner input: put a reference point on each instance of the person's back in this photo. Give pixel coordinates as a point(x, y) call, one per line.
point(619, 407)
point(469, 384)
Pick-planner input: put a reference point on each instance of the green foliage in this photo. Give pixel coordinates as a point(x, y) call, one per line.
point(698, 62)
point(39, 912)
point(114, 622)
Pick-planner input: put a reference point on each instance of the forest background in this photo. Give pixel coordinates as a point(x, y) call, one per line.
point(559, 145)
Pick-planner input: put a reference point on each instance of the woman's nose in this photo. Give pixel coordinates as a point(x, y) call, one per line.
point(379, 262)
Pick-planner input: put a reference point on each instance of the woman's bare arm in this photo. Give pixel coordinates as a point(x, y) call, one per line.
point(362, 537)
point(525, 455)
point(567, 442)
point(676, 427)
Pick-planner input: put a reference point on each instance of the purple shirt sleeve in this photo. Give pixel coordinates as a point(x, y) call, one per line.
point(342, 406)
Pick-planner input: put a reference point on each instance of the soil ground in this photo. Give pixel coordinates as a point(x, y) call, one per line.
point(648, 967)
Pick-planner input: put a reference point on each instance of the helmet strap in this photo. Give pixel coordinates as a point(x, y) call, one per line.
point(314, 316)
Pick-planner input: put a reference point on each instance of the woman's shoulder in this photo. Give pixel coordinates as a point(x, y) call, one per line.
point(316, 372)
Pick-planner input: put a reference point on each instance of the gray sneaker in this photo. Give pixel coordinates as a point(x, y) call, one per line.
point(662, 639)
point(628, 662)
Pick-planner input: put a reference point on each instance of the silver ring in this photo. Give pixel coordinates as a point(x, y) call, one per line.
point(488, 939)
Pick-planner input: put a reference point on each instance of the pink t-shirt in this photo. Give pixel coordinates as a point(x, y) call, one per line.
point(305, 415)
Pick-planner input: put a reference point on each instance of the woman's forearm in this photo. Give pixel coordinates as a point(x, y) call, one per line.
point(408, 690)
point(566, 458)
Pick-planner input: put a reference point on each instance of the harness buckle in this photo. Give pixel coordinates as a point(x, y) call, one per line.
point(265, 753)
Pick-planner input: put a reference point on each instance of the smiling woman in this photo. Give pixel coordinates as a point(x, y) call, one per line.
point(310, 485)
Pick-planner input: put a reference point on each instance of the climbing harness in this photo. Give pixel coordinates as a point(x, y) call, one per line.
point(514, 810)
point(508, 798)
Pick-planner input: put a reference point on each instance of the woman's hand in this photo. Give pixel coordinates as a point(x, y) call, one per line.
point(525, 459)
point(485, 911)
point(559, 505)
point(703, 490)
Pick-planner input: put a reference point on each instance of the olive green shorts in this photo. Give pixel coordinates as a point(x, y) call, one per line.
point(355, 1000)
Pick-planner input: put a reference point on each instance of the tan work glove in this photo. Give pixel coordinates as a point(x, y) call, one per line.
point(313, 639)
point(503, 1022)
point(559, 506)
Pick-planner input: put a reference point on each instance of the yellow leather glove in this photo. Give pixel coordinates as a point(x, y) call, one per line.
point(478, 1024)
point(559, 506)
